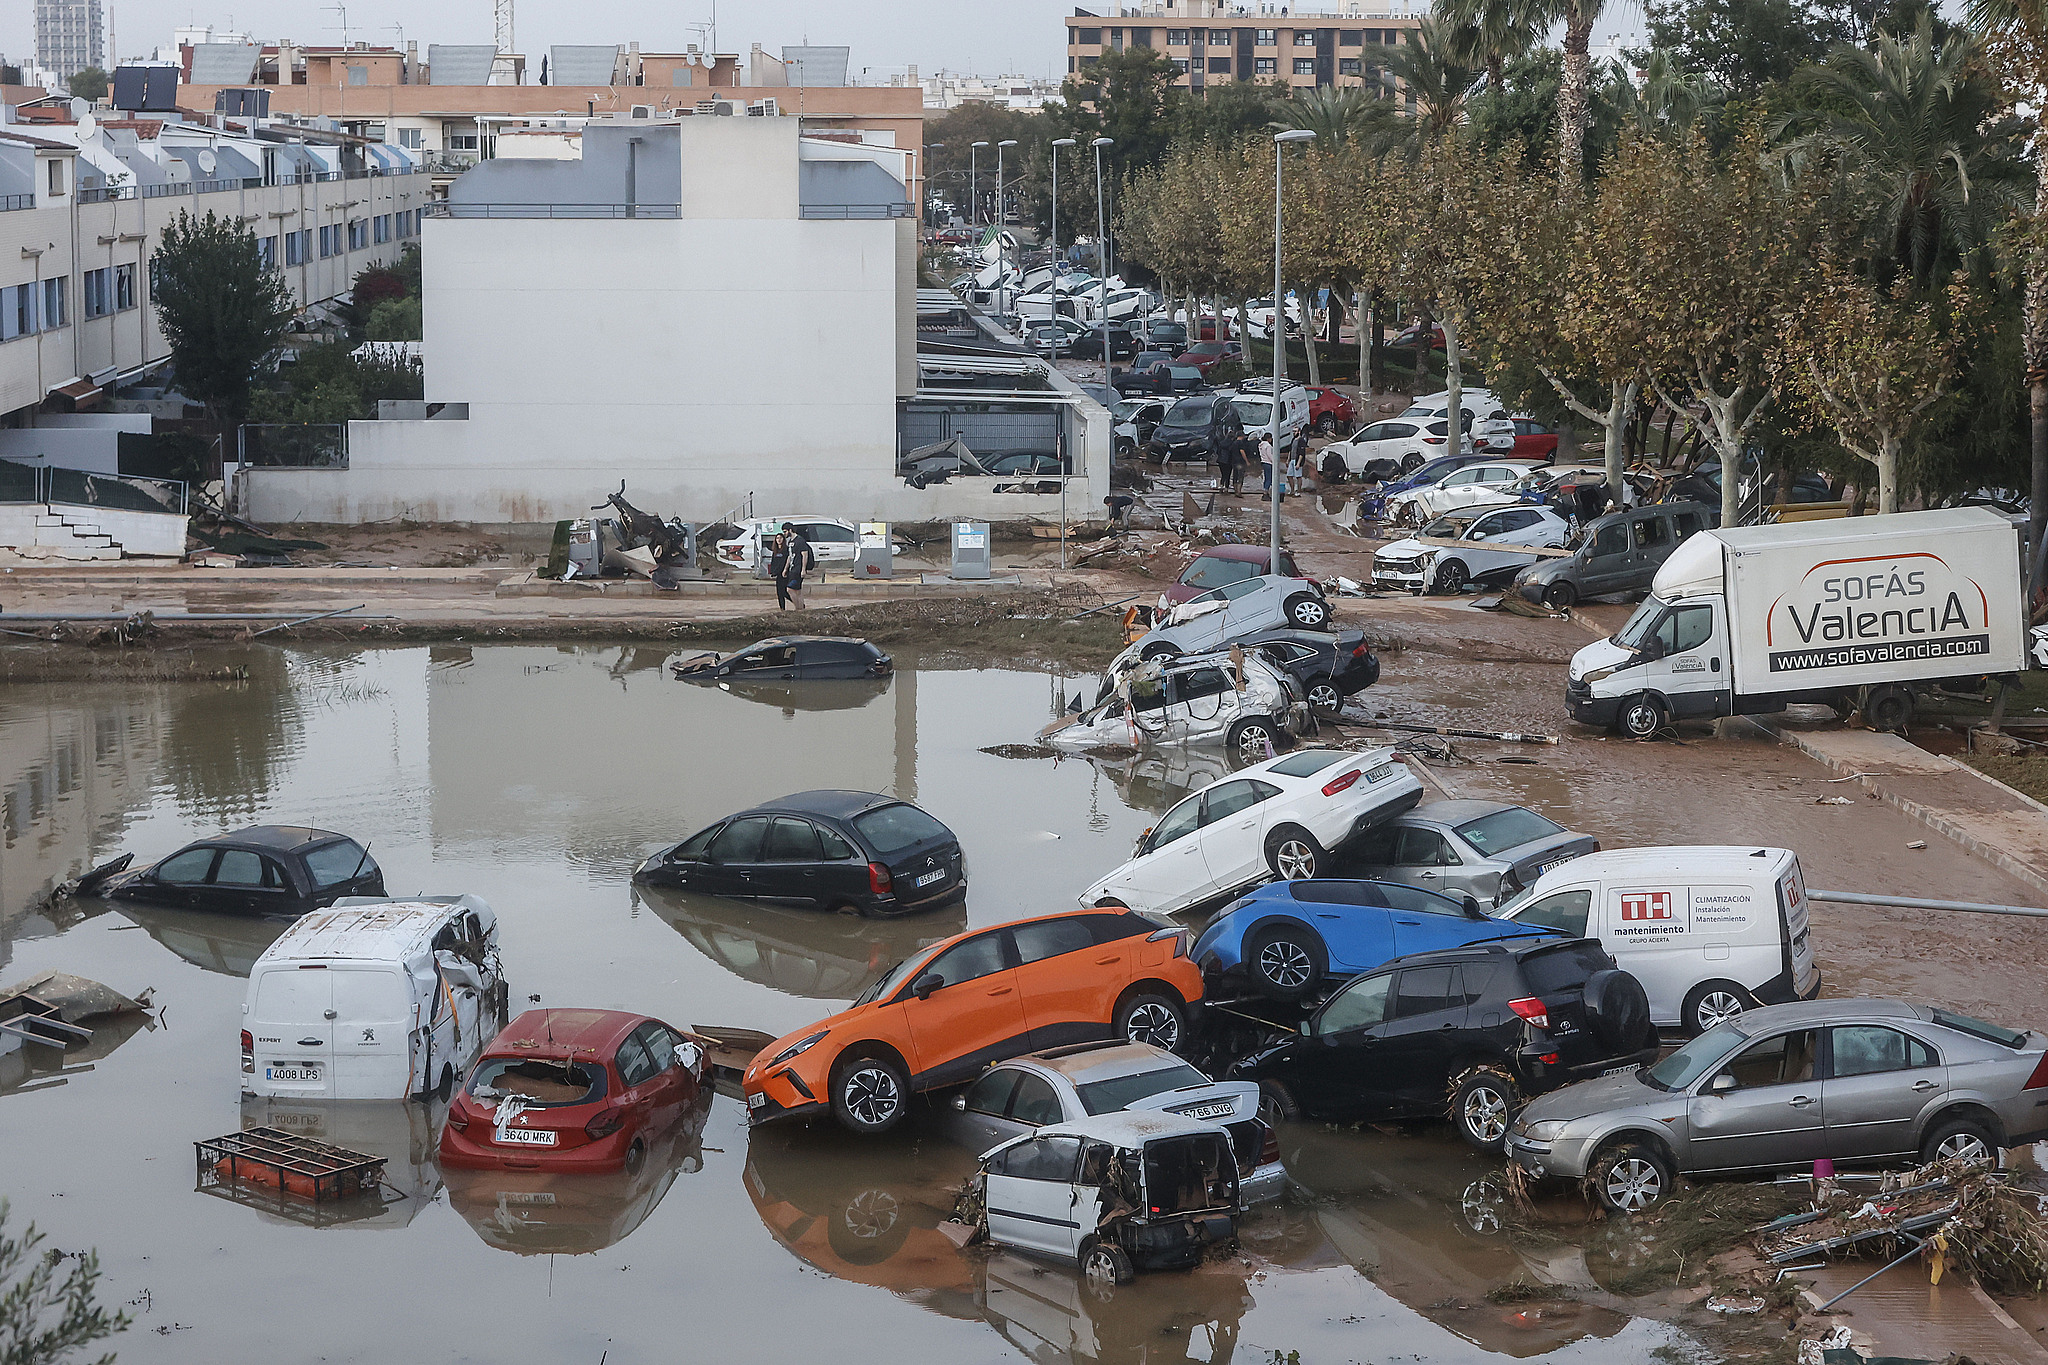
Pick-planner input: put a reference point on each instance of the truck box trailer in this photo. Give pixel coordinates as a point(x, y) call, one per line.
point(1857, 613)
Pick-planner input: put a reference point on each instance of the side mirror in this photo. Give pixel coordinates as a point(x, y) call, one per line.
point(1721, 1084)
point(1472, 910)
point(923, 987)
point(959, 1104)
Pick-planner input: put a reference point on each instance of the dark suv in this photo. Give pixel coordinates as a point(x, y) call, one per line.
point(1464, 1033)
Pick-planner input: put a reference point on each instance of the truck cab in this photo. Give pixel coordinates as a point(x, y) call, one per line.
point(1670, 662)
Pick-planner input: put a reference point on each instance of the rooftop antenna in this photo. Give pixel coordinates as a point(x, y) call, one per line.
point(502, 14)
point(341, 10)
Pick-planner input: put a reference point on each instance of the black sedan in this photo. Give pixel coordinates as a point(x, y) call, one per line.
point(787, 658)
point(1329, 667)
point(261, 870)
point(826, 849)
point(1122, 345)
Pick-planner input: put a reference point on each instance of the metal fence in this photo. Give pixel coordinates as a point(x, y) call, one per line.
point(446, 209)
point(9, 203)
point(295, 445)
point(39, 483)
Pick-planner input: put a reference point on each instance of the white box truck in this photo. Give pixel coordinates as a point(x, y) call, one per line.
point(1854, 613)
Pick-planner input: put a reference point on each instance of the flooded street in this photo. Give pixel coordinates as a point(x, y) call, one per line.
point(536, 778)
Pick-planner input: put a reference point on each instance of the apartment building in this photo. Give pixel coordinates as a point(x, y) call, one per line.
point(71, 35)
point(1212, 42)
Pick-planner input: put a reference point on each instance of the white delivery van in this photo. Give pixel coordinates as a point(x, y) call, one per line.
point(1709, 930)
point(373, 1000)
point(1854, 613)
point(1253, 400)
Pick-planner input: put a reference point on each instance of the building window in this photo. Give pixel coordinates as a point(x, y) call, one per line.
point(1141, 37)
point(1267, 37)
point(17, 311)
point(1304, 66)
point(124, 287)
point(1176, 37)
point(1305, 37)
point(1350, 37)
point(359, 75)
point(409, 138)
point(381, 228)
point(1265, 66)
point(56, 177)
point(1219, 37)
point(1088, 37)
point(294, 248)
point(1219, 66)
point(1087, 62)
point(1349, 66)
point(358, 233)
point(266, 252)
point(97, 296)
point(457, 137)
point(330, 237)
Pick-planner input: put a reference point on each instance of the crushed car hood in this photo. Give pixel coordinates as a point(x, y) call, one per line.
point(1601, 1095)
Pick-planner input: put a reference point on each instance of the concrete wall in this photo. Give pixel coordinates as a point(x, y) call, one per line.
point(63, 529)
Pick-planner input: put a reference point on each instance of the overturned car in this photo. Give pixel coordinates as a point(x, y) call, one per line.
point(1240, 700)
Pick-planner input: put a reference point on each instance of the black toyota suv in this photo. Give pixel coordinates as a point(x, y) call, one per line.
point(1465, 1033)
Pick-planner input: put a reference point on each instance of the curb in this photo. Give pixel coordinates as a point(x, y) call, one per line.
point(1933, 819)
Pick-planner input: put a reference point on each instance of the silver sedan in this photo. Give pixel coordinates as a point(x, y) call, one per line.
point(1858, 1081)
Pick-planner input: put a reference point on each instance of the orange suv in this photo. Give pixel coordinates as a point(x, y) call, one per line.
point(937, 1018)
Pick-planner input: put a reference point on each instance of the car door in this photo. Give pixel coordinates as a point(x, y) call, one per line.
point(733, 857)
point(1424, 921)
point(1688, 671)
point(1234, 831)
point(637, 1073)
point(972, 1017)
point(1413, 1056)
point(983, 1112)
point(1032, 1198)
point(1171, 873)
point(1421, 857)
point(774, 663)
point(1767, 1113)
point(1067, 981)
point(1342, 1078)
point(1458, 488)
point(248, 883)
point(1880, 1081)
point(1652, 541)
point(1606, 567)
point(180, 880)
point(792, 868)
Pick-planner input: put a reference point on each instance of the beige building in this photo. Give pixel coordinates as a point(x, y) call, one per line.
point(1212, 42)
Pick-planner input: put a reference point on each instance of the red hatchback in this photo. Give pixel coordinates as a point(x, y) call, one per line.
point(574, 1090)
point(1331, 411)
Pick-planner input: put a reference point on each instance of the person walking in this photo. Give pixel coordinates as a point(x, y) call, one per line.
point(1266, 457)
point(778, 563)
point(1297, 460)
point(800, 561)
point(1227, 475)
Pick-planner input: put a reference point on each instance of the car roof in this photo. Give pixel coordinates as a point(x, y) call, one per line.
point(1768, 1017)
point(276, 838)
point(829, 801)
point(1681, 860)
point(1247, 554)
point(1086, 1063)
point(372, 930)
point(808, 640)
point(1129, 1127)
point(1454, 812)
point(1515, 947)
point(553, 1032)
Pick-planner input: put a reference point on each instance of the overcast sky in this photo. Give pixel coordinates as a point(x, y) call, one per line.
point(988, 37)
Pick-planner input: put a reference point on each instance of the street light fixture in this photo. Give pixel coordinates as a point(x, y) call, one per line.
point(1002, 221)
point(1102, 262)
point(973, 185)
point(1058, 331)
point(1277, 334)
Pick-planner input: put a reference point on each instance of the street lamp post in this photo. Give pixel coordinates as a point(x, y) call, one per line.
point(1277, 333)
point(1002, 224)
point(1060, 332)
point(974, 185)
point(1102, 262)
point(924, 187)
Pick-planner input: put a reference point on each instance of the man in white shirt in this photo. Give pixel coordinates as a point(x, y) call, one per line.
point(1266, 458)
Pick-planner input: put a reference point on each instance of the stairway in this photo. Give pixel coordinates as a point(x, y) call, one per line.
point(60, 534)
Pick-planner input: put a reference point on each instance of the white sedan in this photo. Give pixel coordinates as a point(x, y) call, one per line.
point(1485, 553)
point(832, 541)
point(1283, 818)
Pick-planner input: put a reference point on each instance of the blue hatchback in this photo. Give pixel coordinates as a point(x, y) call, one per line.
point(1285, 938)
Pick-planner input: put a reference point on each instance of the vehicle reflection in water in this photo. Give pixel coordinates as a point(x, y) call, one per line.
point(1427, 1221)
point(812, 954)
point(1050, 1314)
point(846, 694)
point(404, 1132)
point(34, 1066)
point(228, 944)
point(544, 1213)
point(1155, 778)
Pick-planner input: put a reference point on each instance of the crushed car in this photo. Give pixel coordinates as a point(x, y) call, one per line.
point(1241, 701)
point(1261, 602)
point(1468, 547)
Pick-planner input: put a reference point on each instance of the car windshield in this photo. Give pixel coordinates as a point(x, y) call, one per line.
point(1692, 1061)
point(1434, 470)
point(1632, 635)
point(1257, 412)
point(1506, 829)
point(1106, 1097)
point(891, 829)
point(892, 980)
point(1447, 528)
point(1211, 572)
point(1190, 412)
point(541, 1082)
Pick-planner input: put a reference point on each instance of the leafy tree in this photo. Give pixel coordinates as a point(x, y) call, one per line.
point(1434, 81)
point(1491, 33)
point(1670, 99)
point(1229, 110)
point(1129, 96)
point(1746, 45)
point(395, 320)
point(89, 84)
point(329, 385)
point(221, 310)
point(374, 284)
point(949, 150)
point(44, 1321)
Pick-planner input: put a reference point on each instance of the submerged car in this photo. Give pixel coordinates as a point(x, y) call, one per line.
point(1486, 552)
point(826, 849)
point(1858, 1081)
point(1486, 849)
point(1280, 818)
point(1114, 1193)
point(1288, 940)
point(574, 1090)
point(1062, 1085)
point(1251, 706)
point(942, 1014)
point(788, 658)
point(260, 870)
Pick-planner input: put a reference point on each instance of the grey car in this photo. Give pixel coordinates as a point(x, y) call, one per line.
point(1858, 1081)
point(1485, 849)
point(1619, 553)
point(1234, 610)
point(1016, 1098)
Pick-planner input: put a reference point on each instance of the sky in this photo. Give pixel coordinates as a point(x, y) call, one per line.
point(984, 37)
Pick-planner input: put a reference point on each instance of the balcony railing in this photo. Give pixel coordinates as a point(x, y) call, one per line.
point(9, 203)
point(446, 209)
point(892, 210)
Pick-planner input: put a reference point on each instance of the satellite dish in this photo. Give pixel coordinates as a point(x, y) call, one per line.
point(78, 108)
point(87, 126)
point(207, 160)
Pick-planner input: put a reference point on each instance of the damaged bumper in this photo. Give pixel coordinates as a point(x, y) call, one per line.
point(1579, 701)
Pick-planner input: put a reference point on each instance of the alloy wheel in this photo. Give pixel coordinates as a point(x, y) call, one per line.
point(1152, 1023)
point(1716, 1007)
point(1285, 964)
point(1295, 860)
point(872, 1096)
point(1253, 741)
point(1310, 613)
point(1963, 1147)
point(871, 1214)
point(1486, 1115)
point(1325, 697)
point(1634, 1184)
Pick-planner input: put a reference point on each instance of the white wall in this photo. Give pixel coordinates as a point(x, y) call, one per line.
point(25, 525)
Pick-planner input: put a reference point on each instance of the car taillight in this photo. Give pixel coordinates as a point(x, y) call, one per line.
point(2034, 1082)
point(879, 880)
point(604, 1124)
point(457, 1120)
point(1359, 651)
point(1532, 1009)
point(1434, 440)
point(248, 1053)
point(1269, 1150)
point(1337, 784)
point(1176, 933)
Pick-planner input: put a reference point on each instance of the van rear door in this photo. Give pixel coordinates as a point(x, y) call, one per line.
point(1792, 911)
point(291, 1019)
point(373, 1020)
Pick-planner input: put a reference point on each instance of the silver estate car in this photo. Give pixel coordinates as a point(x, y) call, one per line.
point(1857, 1081)
point(1486, 849)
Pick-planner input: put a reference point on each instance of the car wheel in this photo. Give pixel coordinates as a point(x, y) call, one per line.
point(1711, 1003)
point(869, 1094)
point(1277, 1104)
point(1410, 462)
point(1158, 649)
point(1888, 709)
point(1963, 1140)
point(1308, 611)
point(1629, 1177)
point(1325, 697)
point(1254, 738)
point(869, 1229)
point(1482, 1105)
point(1642, 716)
point(1286, 962)
point(1105, 1267)
point(1153, 1019)
point(1560, 596)
point(1451, 576)
point(1293, 854)
point(1326, 425)
point(636, 1157)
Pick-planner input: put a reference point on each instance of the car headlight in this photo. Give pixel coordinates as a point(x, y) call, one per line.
point(1542, 1130)
point(799, 1047)
point(1597, 674)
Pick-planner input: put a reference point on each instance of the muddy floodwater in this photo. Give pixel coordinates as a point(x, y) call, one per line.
point(536, 778)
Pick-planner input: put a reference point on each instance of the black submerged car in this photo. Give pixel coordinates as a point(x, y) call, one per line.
point(788, 658)
point(828, 849)
point(261, 870)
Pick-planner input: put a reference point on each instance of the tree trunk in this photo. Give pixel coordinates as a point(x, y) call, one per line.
point(2035, 342)
point(1361, 322)
point(1887, 474)
point(1376, 310)
point(1619, 411)
point(1493, 74)
point(1422, 349)
point(1454, 382)
point(1309, 329)
point(1571, 100)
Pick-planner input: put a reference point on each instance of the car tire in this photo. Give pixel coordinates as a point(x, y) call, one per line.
point(1324, 697)
point(1642, 716)
point(1962, 1139)
point(1277, 1104)
point(1104, 1269)
point(1294, 855)
point(1451, 577)
point(1560, 596)
point(1308, 611)
point(1630, 1177)
point(1152, 1018)
point(1158, 649)
point(1326, 425)
point(1483, 1104)
point(1411, 462)
point(1252, 736)
point(636, 1157)
point(1619, 1011)
point(1285, 961)
point(1711, 1003)
point(869, 1094)
point(1888, 709)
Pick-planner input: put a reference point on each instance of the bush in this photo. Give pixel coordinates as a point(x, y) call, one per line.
point(329, 384)
point(395, 320)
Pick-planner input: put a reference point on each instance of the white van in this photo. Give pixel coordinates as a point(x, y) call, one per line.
point(1709, 930)
point(1253, 400)
point(373, 1000)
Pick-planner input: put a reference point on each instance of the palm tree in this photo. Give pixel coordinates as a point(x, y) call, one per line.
point(1491, 33)
point(1430, 78)
point(1671, 99)
point(1905, 130)
point(1574, 107)
point(1335, 114)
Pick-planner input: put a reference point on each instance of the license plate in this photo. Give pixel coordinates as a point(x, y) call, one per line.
point(539, 1198)
point(937, 874)
point(1554, 862)
point(757, 1100)
point(291, 1073)
point(1622, 1070)
point(530, 1137)
point(1381, 773)
point(1214, 1110)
